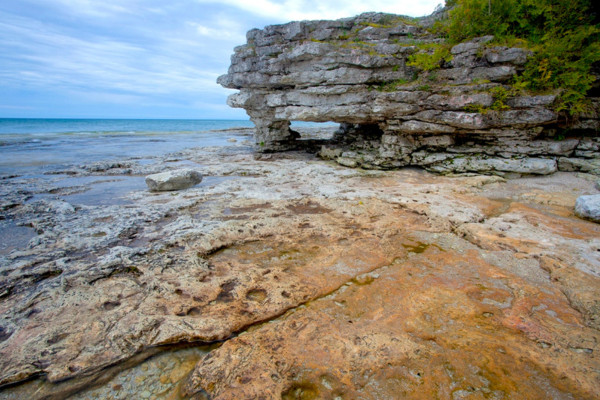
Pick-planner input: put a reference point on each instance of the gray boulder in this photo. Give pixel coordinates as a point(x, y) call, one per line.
point(513, 55)
point(588, 207)
point(173, 180)
point(591, 166)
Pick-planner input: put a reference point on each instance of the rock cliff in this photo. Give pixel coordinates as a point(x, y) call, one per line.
point(455, 118)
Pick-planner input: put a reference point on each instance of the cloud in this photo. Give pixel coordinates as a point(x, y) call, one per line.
point(104, 8)
point(57, 52)
point(221, 29)
point(47, 56)
point(332, 9)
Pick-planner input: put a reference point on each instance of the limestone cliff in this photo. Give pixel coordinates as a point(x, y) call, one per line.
point(355, 72)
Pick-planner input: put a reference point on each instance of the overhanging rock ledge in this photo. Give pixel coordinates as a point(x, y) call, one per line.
point(355, 72)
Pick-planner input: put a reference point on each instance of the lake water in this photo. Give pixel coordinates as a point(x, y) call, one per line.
point(41, 159)
point(34, 153)
point(42, 145)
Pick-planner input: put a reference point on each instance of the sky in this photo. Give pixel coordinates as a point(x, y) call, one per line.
point(141, 58)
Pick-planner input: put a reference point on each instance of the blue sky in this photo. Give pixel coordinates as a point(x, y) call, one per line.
point(140, 58)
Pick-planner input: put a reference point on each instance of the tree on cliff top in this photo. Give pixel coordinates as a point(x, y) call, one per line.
point(564, 35)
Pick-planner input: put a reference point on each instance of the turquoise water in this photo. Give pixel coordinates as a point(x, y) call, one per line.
point(41, 145)
point(35, 153)
point(43, 126)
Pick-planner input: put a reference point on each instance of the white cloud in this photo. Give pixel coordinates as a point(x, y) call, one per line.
point(150, 51)
point(290, 10)
point(45, 56)
point(220, 29)
point(94, 8)
point(107, 97)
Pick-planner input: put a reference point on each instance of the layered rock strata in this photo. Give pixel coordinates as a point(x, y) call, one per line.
point(356, 72)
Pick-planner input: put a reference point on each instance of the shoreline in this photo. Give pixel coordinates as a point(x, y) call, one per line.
point(102, 282)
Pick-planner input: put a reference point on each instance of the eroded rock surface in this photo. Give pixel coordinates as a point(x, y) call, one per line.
point(355, 71)
point(492, 280)
point(510, 312)
point(444, 321)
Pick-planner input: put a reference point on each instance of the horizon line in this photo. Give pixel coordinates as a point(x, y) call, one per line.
point(134, 118)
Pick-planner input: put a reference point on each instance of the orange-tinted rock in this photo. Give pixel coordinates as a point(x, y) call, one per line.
point(523, 279)
point(311, 251)
point(438, 323)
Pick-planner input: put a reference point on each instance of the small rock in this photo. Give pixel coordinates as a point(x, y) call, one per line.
point(329, 153)
point(504, 54)
point(57, 207)
point(591, 166)
point(173, 180)
point(472, 45)
point(588, 207)
point(531, 101)
point(347, 162)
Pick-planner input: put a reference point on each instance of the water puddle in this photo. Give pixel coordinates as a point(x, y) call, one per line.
point(14, 237)
point(503, 205)
point(91, 190)
point(107, 192)
point(157, 377)
point(183, 163)
point(144, 161)
point(420, 247)
point(66, 181)
point(211, 181)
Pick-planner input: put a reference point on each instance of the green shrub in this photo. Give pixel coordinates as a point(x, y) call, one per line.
point(476, 108)
point(499, 94)
point(374, 25)
point(430, 57)
point(562, 34)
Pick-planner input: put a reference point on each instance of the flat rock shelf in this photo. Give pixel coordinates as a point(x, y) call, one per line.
point(309, 280)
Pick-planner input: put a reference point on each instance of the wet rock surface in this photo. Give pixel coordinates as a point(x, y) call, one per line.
point(321, 281)
point(460, 117)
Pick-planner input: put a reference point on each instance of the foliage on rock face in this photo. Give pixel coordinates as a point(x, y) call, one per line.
point(562, 33)
point(434, 56)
